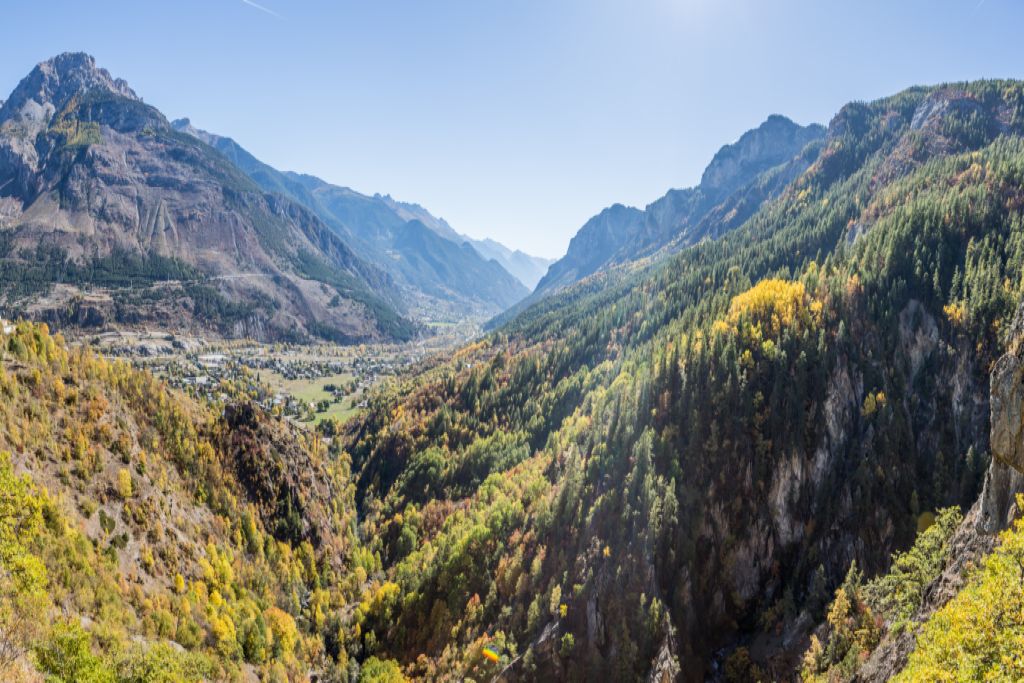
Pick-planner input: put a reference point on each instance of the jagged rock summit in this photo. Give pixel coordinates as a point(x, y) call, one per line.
point(774, 142)
point(53, 84)
point(740, 177)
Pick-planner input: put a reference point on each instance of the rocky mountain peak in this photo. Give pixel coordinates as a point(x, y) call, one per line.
point(52, 85)
point(184, 125)
point(775, 141)
point(89, 169)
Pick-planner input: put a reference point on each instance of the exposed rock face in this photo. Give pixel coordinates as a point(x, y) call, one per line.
point(919, 336)
point(1008, 411)
point(52, 85)
point(98, 190)
point(774, 142)
point(738, 180)
point(931, 112)
point(769, 530)
point(928, 132)
point(808, 504)
point(665, 668)
point(1005, 478)
point(591, 247)
point(544, 655)
point(759, 523)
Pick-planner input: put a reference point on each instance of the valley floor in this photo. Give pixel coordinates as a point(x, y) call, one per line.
point(306, 383)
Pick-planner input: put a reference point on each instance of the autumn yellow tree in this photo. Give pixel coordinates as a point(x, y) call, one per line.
point(22, 574)
point(124, 483)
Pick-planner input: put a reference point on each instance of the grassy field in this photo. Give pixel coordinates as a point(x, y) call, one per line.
point(312, 391)
point(342, 411)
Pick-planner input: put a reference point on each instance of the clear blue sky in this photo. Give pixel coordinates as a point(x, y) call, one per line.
point(514, 119)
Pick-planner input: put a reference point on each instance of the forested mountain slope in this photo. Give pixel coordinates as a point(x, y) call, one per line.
point(667, 469)
point(109, 214)
point(147, 537)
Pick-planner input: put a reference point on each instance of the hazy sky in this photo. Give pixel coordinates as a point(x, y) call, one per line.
point(513, 119)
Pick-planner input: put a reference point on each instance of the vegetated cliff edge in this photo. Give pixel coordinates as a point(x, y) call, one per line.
point(993, 512)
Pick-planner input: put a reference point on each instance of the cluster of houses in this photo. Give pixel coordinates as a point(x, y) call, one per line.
point(209, 377)
point(216, 376)
point(295, 369)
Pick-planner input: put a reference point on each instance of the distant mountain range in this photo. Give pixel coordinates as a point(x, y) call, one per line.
point(528, 269)
point(110, 213)
point(486, 274)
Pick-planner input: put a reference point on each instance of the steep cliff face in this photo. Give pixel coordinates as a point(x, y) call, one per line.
point(771, 538)
point(774, 142)
point(591, 247)
point(767, 533)
point(818, 510)
point(1008, 411)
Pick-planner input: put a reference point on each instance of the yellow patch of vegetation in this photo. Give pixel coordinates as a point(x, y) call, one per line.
point(776, 301)
point(767, 308)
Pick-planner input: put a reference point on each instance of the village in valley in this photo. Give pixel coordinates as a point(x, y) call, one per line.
point(305, 383)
